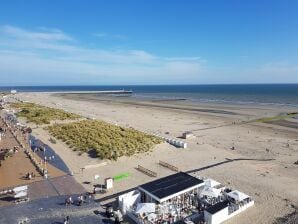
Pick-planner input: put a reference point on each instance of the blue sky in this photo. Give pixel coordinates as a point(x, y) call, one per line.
point(57, 42)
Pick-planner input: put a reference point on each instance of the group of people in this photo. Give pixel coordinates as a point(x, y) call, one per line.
point(15, 149)
point(2, 132)
point(30, 176)
point(80, 199)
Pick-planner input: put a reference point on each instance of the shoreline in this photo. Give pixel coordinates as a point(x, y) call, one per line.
point(183, 102)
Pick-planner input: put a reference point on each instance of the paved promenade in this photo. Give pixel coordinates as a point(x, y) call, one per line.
point(52, 211)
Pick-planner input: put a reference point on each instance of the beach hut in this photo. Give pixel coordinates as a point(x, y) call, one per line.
point(179, 144)
point(187, 135)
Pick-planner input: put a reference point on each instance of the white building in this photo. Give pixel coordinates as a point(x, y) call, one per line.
point(184, 198)
point(170, 199)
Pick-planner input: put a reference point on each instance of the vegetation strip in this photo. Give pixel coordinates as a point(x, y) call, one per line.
point(42, 115)
point(278, 117)
point(107, 141)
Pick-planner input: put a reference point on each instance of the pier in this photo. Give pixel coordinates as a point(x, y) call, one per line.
point(94, 92)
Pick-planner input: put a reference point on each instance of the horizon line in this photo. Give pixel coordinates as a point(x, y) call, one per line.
point(203, 84)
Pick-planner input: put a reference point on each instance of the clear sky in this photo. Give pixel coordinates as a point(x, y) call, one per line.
point(57, 42)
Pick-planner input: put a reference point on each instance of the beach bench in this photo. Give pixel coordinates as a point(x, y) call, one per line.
point(147, 171)
point(169, 166)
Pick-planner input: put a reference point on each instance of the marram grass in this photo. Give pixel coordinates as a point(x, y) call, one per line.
point(109, 141)
point(42, 115)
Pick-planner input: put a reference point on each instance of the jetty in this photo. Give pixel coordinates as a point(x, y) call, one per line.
point(93, 92)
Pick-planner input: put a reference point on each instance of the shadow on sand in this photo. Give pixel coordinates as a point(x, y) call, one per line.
point(226, 161)
point(189, 171)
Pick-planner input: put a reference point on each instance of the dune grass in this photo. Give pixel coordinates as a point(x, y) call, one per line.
point(277, 118)
point(106, 140)
point(42, 115)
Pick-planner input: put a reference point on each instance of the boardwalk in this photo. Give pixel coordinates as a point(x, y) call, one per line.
point(13, 170)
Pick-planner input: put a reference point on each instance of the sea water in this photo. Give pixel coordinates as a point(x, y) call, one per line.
point(275, 94)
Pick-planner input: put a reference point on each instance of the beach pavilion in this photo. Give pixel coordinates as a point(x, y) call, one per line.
point(174, 198)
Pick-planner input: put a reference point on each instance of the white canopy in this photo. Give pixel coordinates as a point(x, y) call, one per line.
point(20, 188)
point(21, 194)
point(145, 208)
point(237, 195)
point(210, 192)
point(211, 183)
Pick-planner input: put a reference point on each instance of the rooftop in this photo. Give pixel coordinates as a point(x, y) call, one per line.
point(170, 186)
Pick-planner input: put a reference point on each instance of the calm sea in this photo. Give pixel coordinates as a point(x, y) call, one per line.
point(279, 94)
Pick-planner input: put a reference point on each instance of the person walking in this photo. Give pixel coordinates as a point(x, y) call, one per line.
point(66, 220)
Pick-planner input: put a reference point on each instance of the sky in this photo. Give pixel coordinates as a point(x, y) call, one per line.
point(94, 42)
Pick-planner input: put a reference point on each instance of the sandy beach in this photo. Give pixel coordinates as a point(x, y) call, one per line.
point(262, 164)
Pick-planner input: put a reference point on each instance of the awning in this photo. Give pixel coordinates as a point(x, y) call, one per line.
point(237, 195)
point(145, 208)
point(210, 192)
point(211, 183)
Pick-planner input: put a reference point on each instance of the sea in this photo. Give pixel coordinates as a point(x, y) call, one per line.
point(267, 94)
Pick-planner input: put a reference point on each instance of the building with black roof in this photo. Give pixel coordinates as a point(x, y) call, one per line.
point(217, 207)
point(217, 213)
point(171, 186)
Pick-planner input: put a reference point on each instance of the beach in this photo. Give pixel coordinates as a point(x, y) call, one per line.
point(261, 164)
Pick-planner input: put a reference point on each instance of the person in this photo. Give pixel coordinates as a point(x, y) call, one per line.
point(69, 200)
point(80, 200)
point(66, 220)
point(90, 197)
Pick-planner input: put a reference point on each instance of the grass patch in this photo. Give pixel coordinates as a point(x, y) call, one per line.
point(277, 118)
point(121, 176)
point(42, 115)
point(107, 140)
